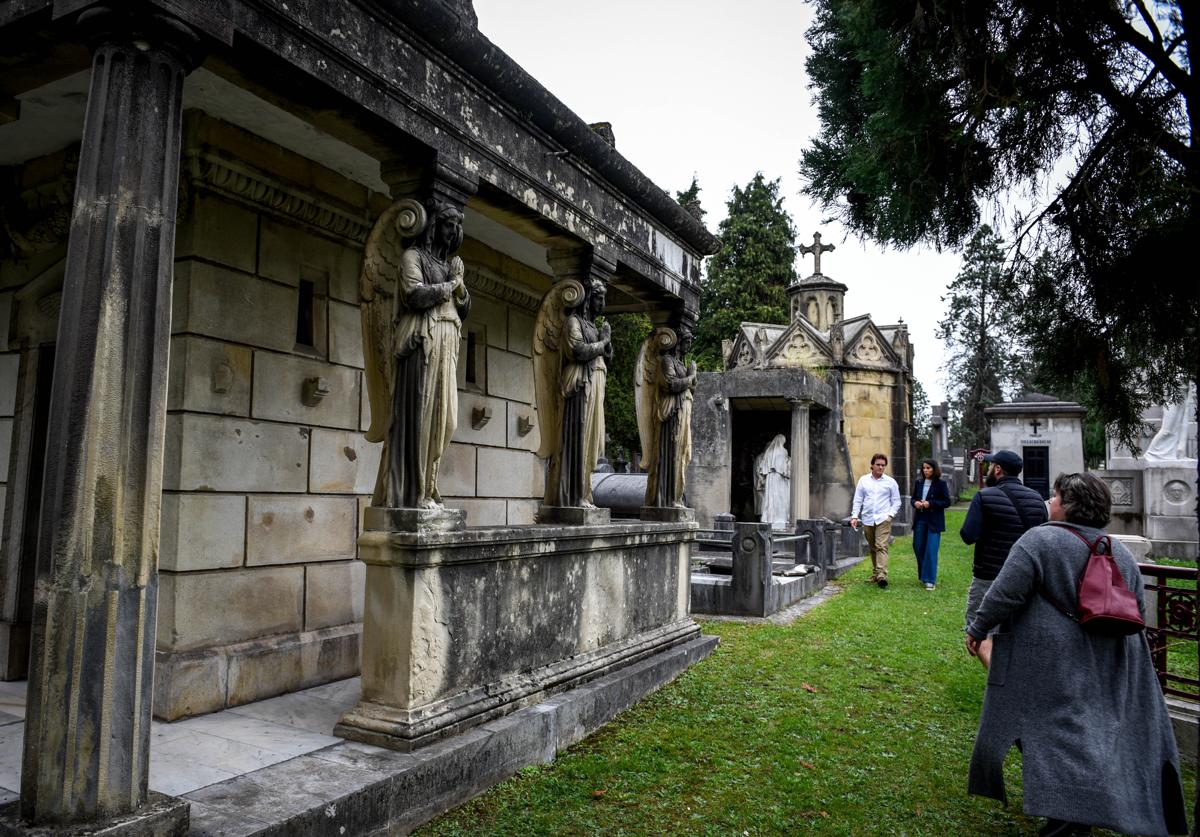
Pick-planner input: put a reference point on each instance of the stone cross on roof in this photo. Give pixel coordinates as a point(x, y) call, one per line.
point(816, 248)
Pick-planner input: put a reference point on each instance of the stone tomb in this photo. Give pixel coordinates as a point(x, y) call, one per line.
point(1046, 431)
point(467, 625)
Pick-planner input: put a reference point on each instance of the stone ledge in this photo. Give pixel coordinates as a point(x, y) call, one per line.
point(161, 816)
point(353, 788)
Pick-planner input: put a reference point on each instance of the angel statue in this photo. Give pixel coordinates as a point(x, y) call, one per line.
point(569, 353)
point(663, 387)
point(413, 303)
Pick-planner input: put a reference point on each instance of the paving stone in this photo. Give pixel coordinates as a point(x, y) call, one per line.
point(207, 821)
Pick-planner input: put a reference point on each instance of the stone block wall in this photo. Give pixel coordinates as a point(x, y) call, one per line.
point(867, 419)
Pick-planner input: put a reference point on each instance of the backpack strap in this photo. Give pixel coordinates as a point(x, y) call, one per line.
point(1093, 547)
point(1016, 506)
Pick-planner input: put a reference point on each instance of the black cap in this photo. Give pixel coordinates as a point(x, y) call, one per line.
point(1007, 460)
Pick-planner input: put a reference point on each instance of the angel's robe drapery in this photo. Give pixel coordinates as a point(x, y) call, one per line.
point(583, 380)
point(425, 396)
point(671, 451)
point(775, 469)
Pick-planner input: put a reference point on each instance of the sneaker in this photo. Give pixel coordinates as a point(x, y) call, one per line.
point(929, 586)
point(883, 584)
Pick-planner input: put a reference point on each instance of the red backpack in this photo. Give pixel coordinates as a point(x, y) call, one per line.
point(1106, 605)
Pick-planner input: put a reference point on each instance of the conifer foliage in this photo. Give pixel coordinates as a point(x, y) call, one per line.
point(748, 277)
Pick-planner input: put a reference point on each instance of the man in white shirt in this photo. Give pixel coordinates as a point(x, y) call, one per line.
point(876, 502)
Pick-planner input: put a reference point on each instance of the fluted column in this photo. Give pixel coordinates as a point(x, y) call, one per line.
point(87, 731)
point(800, 461)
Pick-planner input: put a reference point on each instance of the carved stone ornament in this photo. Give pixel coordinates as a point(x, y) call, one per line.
point(798, 349)
point(868, 349)
point(745, 355)
point(1122, 491)
point(1177, 492)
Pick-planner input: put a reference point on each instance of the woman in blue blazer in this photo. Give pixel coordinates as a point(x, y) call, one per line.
point(930, 499)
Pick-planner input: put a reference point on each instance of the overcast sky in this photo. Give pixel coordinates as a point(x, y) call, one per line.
point(717, 89)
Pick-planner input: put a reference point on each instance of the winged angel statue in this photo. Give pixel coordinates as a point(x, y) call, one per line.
point(413, 303)
point(569, 352)
point(663, 387)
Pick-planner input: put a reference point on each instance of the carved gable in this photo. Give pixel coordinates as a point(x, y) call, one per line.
point(800, 345)
point(870, 348)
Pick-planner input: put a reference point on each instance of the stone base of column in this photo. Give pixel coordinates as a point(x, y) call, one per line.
point(379, 519)
point(573, 516)
point(161, 816)
point(668, 514)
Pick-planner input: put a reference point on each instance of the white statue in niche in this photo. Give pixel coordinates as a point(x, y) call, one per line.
point(1171, 441)
point(773, 470)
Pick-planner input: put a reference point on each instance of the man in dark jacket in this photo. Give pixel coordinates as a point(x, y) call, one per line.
point(997, 517)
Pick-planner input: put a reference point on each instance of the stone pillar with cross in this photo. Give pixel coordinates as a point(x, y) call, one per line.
point(818, 298)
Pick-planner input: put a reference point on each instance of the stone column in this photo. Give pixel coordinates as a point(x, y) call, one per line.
point(800, 461)
point(87, 731)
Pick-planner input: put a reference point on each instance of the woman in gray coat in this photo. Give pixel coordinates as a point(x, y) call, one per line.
point(1085, 710)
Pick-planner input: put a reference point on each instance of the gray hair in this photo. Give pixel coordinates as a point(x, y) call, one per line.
point(1086, 499)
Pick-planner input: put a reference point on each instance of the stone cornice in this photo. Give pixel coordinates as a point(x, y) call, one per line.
point(206, 169)
point(486, 282)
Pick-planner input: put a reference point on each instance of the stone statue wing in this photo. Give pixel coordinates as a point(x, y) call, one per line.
point(377, 299)
point(549, 339)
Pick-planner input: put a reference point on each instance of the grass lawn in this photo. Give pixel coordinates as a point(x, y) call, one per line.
point(857, 719)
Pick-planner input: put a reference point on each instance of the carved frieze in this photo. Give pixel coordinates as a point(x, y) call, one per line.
point(867, 349)
point(1122, 491)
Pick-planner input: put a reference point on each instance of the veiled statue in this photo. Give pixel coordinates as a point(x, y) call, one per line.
point(569, 353)
point(773, 477)
point(663, 386)
point(413, 303)
point(1170, 443)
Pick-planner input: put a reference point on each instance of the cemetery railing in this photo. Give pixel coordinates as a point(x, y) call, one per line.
point(1171, 627)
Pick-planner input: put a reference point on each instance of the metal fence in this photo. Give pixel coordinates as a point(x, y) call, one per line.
point(1171, 630)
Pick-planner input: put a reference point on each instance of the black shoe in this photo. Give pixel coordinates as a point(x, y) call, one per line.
point(883, 584)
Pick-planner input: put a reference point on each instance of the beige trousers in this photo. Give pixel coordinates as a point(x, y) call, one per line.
point(877, 542)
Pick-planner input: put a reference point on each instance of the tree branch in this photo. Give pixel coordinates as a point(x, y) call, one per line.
point(1160, 58)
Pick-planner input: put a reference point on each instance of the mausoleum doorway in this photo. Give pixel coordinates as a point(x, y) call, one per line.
point(756, 421)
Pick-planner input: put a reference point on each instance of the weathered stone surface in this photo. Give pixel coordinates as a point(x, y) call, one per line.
point(440, 650)
point(364, 421)
point(212, 453)
point(159, 816)
point(520, 332)
point(10, 365)
point(290, 530)
point(345, 334)
point(221, 231)
point(509, 473)
point(523, 417)
point(510, 376)
point(481, 512)
point(202, 532)
point(493, 432)
point(333, 594)
point(456, 477)
point(228, 305)
point(492, 317)
point(6, 310)
point(343, 462)
point(279, 389)
point(523, 512)
point(6, 429)
point(208, 376)
point(286, 250)
point(199, 610)
point(189, 683)
point(276, 665)
point(421, 522)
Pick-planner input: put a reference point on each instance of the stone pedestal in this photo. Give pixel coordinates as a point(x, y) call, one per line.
point(1169, 494)
point(668, 514)
point(161, 816)
point(87, 732)
point(573, 516)
point(462, 627)
point(379, 519)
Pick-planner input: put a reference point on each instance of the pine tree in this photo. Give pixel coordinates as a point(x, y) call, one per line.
point(748, 277)
point(689, 199)
point(620, 416)
point(979, 340)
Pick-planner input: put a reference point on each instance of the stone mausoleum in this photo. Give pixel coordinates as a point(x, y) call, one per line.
point(838, 388)
point(1045, 430)
point(186, 192)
